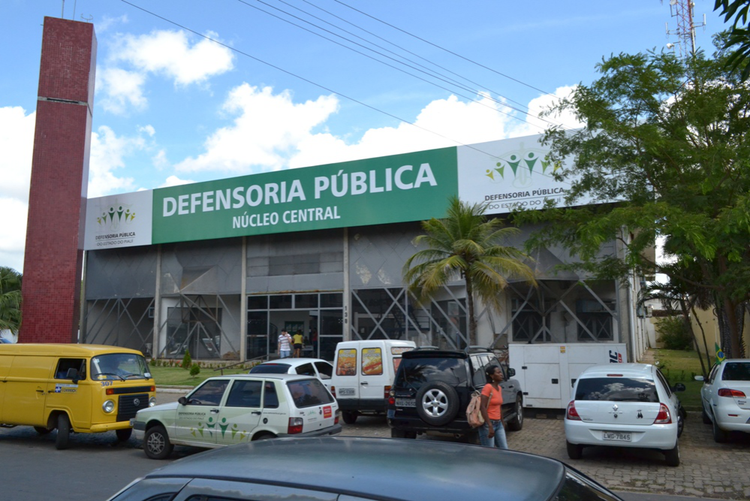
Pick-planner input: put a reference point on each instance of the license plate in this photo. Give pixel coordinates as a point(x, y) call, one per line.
point(406, 402)
point(617, 436)
point(345, 392)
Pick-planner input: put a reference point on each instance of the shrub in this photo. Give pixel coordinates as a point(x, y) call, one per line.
point(187, 362)
point(673, 333)
point(195, 370)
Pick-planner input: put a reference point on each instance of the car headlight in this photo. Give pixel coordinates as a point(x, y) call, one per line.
point(108, 406)
point(152, 401)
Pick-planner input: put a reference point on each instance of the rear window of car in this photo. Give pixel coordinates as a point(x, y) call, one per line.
point(309, 393)
point(270, 369)
point(736, 371)
point(414, 372)
point(617, 389)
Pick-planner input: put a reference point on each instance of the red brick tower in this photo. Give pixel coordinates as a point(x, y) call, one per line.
point(59, 179)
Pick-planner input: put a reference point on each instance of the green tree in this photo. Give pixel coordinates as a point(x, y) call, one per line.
point(465, 245)
point(667, 139)
point(10, 299)
point(738, 38)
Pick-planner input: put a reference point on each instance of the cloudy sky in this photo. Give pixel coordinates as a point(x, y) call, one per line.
point(195, 90)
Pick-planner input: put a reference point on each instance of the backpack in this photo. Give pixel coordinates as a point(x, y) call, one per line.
point(473, 410)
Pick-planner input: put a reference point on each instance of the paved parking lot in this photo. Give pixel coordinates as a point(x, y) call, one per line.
point(707, 469)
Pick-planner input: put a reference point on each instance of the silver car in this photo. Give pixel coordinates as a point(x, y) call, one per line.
point(724, 397)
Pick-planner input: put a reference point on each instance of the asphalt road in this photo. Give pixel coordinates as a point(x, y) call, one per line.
point(96, 466)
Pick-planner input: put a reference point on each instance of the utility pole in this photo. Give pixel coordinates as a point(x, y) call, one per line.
point(685, 32)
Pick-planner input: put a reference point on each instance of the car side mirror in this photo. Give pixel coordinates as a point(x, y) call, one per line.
point(511, 372)
point(679, 387)
point(182, 401)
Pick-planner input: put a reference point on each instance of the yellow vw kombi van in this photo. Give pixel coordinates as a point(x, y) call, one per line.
point(82, 388)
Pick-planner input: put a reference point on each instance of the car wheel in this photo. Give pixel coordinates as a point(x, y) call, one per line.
point(42, 430)
point(124, 435)
point(156, 443)
point(673, 456)
point(574, 450)
point(63, 432)
point(350, 417)
point(264, 436)
point(705, 416)
point(437, 403)
point(720, 436)
point(516, 423)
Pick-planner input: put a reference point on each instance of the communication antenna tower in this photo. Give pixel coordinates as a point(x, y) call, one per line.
point(685, 32)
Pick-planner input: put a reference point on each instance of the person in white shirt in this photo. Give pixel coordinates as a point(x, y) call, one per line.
point(285, 344)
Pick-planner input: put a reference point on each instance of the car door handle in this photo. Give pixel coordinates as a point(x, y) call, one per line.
point(257, 413)
point(364, 384)
point(40, 391)
point(214, 411)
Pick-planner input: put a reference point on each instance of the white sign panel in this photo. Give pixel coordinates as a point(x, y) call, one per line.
point(119, 221)
point(509, 174)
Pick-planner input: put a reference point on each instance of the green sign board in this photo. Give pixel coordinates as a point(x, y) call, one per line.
point(399, 188)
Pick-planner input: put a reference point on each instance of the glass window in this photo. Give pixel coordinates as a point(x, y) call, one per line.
point(309, 393)
point(120, 366)
point(324, 369)
point(65, 365)
point(306, 370)
point(332, 300)
point(576, 487)
point(245, 394)
point(346, 364)
point(257, 302)
point(664, 382)
point(281, 302)
point(372, 361)
point(736, 371)
point(270, 368)
point(617, 389)
point(210, 393)
point(305, 301)
point(270, 398)
point(414, 372)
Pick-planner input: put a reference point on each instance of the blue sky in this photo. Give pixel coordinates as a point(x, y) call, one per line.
point(174, 106)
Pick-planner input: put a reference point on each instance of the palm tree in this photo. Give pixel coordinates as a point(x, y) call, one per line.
point(465, 245)
point(10, 299)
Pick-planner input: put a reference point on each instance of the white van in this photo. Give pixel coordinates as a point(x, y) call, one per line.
point(363, 374)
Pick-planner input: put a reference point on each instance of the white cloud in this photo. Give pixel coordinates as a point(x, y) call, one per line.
point(543, 103)
point(175, 181)
point(167, 53)
point(267, 129)
point(122, 89)
point(108, 153)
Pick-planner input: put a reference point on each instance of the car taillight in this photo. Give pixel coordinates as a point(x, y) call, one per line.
point(664, 416)
point(726, 392)
point(572, 413)
point(336, 419)
point(333, 391)
point(295, 425)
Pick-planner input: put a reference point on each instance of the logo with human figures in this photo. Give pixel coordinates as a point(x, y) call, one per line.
point(521, 165)
point(116, 217)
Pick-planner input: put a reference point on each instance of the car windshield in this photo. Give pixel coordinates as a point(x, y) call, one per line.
point(309, 392)
point(576, 487)
point(617, 389)
point(120, 366)
point(736, 371)
point(270, 369)
point(414, 372)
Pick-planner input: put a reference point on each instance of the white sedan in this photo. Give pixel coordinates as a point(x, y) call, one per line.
point(316, 367)
point(725, 397)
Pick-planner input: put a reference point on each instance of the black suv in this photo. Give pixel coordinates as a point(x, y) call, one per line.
point(432, 388)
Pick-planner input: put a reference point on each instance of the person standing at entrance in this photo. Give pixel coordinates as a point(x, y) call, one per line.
point(285, 344)
point(492, 432)
point(298, 340)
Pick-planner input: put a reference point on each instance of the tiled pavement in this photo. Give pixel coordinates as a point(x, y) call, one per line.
point(707, 469)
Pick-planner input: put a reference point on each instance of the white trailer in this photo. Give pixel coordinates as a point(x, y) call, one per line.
point(547, 372)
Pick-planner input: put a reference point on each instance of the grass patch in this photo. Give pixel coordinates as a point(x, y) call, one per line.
point(681, 366)
point(177, 376)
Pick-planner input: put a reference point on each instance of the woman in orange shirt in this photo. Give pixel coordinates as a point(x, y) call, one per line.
point(492, 432)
